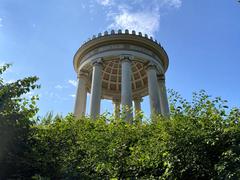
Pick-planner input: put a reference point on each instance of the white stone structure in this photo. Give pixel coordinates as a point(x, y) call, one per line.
point(122, 67)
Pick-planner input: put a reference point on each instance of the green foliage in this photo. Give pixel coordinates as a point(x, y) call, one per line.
point(206, 137)
point(200, 141)
point(15, 125)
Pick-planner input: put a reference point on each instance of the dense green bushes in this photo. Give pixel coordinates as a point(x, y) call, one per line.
point(182, 148)
point(201, 140)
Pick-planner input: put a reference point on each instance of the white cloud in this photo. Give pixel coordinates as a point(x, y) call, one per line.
point(138, 15)
point(59, 87)
point(145, 22)
point(73, 82)
point(72, 95)
point(105, 2)
point(173, 3)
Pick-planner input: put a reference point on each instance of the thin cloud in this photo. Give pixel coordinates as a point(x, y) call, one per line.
point(72, 95)
point(58, 87)
point(144, 22)
point(105, 2)
point(72, 82)
point(137, 15)
point(173, 3)
point(1, 25)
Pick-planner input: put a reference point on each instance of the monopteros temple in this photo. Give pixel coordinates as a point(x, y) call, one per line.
point(123, 67)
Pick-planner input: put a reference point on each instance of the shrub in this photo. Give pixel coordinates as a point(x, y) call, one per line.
point(200, 140)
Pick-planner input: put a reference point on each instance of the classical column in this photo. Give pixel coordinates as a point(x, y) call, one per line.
point(116, 103)
point(153, 89)
point(126, 86)
point(163, 96)
point(96, 88)
point(81, 96)
point(137, 104)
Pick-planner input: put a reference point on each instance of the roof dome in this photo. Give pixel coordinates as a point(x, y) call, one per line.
point(109, 46)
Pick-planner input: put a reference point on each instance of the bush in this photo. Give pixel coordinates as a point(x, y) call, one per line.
point(200, 140)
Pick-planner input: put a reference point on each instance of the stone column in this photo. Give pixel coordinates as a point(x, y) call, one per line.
point(81, 96)
point(126, 86)
point(96, 88)
point(163, 96)
point(153, 89)
point(137, 104)
point(116, 103)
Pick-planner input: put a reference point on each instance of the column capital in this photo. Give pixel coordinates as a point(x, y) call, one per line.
point(151, 66)
point(161, 77)
point(82, 74)
point(126, 57)
point(97, 62)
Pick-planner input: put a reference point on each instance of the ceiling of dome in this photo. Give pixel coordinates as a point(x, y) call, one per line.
point(112, 75)
point(111, 78)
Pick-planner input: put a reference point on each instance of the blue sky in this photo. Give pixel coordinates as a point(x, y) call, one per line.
point(201, 37)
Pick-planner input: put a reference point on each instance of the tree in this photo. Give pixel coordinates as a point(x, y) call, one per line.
point(205, 139)
point(16, 113)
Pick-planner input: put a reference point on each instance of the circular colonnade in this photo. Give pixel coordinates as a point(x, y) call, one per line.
point(122, 67)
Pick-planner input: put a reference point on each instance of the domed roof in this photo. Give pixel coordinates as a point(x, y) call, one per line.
point(125, 38)
point(109, 46)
